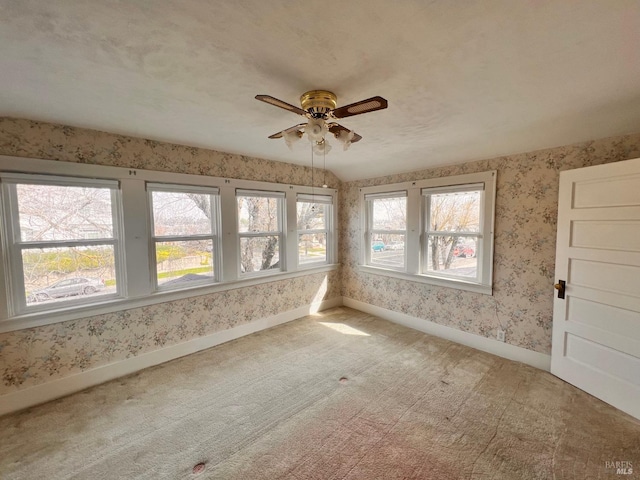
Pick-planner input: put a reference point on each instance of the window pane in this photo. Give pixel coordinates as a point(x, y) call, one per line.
point(455, 212)
point(452, 255)
point(259, 253)
point(258, 214)
point(69, 273)
point(312, 216)
point(181, 213)
point(312, 248)
point(179, 263)
point(388, 250)
point(55, 212)
point(389, 214)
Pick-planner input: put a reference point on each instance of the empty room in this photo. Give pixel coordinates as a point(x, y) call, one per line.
point(320, 240)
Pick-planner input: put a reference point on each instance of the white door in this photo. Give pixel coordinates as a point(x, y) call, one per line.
point(596, 326)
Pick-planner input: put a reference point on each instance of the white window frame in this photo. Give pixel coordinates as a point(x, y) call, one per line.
point(214, 195)
point(13, 244)
point(280, 233)
point(417, 234)
point(370, 232)
point(327, 230)
point(137, 273)
point(428, 232)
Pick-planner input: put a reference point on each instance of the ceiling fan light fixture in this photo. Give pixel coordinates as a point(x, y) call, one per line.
point(292, 137)
point(321, 148)
point(316, 129)
point(345, 137)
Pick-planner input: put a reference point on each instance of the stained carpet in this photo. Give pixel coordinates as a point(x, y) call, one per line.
point(337, 395)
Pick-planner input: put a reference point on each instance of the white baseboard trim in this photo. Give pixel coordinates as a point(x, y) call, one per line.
point(519, 354)
point(45, 392)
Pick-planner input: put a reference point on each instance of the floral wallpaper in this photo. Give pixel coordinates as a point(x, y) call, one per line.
point(37, 355)
point(525, 236)
point(24, 138)
point(523, 265)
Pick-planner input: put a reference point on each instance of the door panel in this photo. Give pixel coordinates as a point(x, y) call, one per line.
point(608, 277)
point(596, 327)
point(600, 357)
point(614, 191)
point(606, 235)
point(604, 317)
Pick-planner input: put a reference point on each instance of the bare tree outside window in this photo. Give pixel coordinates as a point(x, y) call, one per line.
point(312, 231)
point(184, 235)
point(259, 226)
point(66, 241)
point(453, 227)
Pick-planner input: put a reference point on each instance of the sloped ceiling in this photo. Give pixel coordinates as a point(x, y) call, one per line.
point(465, 80)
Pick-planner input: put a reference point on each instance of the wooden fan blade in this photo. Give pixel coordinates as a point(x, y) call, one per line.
point(364, 106)
point(279, 103)
point(290, 129)
point(336, 129)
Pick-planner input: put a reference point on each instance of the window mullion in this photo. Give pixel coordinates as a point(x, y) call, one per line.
point(260, 234)
point(442, 233)
point(14, 290)
point(136, 271)
point(388, 232)
point(185, 238)
point(67, 243)
point(230, 239)
point(291, 250)
point(412, 240)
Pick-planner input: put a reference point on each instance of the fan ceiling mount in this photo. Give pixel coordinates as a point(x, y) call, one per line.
point(319, 107)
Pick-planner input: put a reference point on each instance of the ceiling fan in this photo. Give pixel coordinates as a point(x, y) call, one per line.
point(319, 107)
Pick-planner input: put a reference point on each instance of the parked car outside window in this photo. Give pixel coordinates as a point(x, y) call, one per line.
point(378, 246)
point(464, 251)
point(67, 288)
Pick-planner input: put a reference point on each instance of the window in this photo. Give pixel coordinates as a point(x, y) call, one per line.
point(313, 214)
point(386, 229)
point(184, 232)
point(437, 231)
point(78, 240)
point(453, 231)
point(260, 231)
point(62, 239)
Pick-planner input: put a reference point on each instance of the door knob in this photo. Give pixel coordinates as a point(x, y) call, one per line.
point(560, 286)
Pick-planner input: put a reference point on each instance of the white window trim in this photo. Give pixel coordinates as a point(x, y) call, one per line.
point(328, 230)
point(370, 232)
point(13, 245)
point(214, 236)
point(137, 283)
point(280, 233)
point(416, 236)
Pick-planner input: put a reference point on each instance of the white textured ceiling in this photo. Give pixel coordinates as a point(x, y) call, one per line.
point(465, 80)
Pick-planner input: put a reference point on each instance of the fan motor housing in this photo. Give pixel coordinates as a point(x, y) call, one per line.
point(318, 102)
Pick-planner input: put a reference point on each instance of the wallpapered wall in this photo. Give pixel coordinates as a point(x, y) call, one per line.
point(38, 355)
point(526, 209)
point(525, 236)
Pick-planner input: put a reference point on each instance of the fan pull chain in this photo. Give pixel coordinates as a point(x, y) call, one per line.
point(313, 191)
point(324, 168)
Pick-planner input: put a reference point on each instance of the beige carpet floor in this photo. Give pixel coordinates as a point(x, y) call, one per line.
point(338, 395)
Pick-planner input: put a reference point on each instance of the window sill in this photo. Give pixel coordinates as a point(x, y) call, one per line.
point(36, 319)
point(441, 282)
